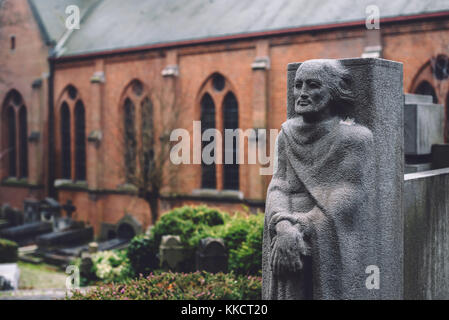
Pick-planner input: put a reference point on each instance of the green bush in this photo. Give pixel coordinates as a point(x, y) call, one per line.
point(142, 254)
point(190, 223)
point(8, 251)
point(247, 257)
point(242, 235)
point(187, 221)
point(179, 286)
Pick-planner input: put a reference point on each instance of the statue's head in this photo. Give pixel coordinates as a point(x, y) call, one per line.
point(321, 86)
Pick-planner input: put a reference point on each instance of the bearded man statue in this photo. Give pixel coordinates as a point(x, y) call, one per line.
point(313, 244)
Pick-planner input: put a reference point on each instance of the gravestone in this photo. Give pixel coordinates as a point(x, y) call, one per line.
point(26, 234)
point(65, 238)
point(426, 249)
point(13, 216)
point(5, 284)
point(10, 274)
point(128, 227)
point(86, 266)
point(93, 247)
point(50, 210)
point(440, 156)
point(172, 253)
point(31, 211)
point(76, 251)
point(66, 222)
point(333, 221)
point(211, 255)
point(423, 124)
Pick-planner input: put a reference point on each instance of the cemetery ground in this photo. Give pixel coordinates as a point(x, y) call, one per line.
point(38, 281)
point(194, 253)
point(41, 276)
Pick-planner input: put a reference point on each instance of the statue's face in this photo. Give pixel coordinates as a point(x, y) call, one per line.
point(311, 96)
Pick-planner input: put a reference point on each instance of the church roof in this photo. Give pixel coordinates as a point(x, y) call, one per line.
point(119, 24)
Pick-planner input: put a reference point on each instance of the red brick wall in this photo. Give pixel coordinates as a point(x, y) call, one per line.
point(18, 69)
point(414, 44)
point(196, 64)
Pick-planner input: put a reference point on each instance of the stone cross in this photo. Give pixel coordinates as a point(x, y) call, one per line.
point(69, 208)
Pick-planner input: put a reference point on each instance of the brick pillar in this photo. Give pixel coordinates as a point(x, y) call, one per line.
point(260, 66)
point(36, 130)
point(93, 126)
point(171, 96)
point(94, 136)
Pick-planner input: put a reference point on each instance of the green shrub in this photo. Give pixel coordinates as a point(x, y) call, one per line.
point(236, 231)
point(247, 257)
point(8, 251)
point(142, 254)
point(190, 223)
point(242, 235)
point(179, 286)
point(187, 221)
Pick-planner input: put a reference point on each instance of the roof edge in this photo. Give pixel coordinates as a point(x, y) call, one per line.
point(246, 36)
point(43, 31)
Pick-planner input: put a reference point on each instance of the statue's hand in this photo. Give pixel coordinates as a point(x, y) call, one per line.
point(287, 248)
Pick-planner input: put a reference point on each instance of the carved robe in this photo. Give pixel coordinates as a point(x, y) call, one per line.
point(321, 185)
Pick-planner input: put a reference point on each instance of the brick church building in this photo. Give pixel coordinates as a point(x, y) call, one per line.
point(80, 108)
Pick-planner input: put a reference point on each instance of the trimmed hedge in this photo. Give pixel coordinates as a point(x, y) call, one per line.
point(179, 286)
point(8, 251)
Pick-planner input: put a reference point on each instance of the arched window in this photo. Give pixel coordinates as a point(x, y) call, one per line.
point(23, 142)
point(15, 143)
point(208, 173)
point(427, 89)
point(11, 120)
point(231, 121)
point(138, 133)
point(147, 138)
point(72, 136)
point(130, 140)
point(80, 142)
point(66, 158)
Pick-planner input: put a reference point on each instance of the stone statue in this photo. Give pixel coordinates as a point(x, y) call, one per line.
point(318, 208)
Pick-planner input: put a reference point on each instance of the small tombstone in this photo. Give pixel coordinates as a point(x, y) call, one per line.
point(93, 247)
point(64, 223)
point(172, 252)
point(10, 274)
point(13, 216)
point(440, 156)
point(211, 255)
point(128, 227)
point(50, 211)
point(31, 211)
point(86, 266)
point(423, 124)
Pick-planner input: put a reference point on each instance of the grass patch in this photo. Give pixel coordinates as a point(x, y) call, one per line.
point(41, 276)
